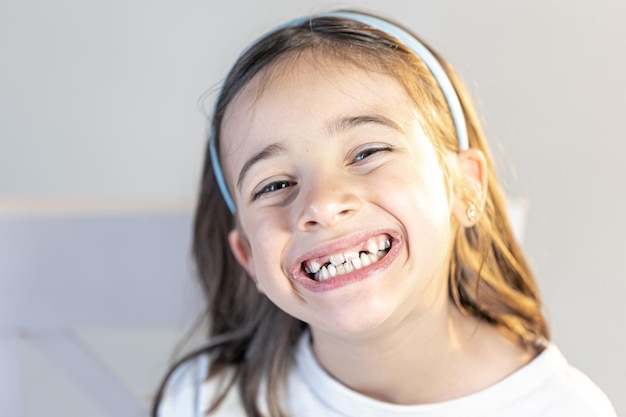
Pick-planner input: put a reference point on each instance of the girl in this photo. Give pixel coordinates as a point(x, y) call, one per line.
point(353, 246)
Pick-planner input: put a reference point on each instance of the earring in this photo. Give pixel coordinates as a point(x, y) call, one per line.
point(471, 214)
point(258, 287)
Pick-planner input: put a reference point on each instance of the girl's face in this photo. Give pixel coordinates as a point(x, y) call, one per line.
point(345, 216)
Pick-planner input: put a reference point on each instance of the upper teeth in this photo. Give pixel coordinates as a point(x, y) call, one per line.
point(342, 263)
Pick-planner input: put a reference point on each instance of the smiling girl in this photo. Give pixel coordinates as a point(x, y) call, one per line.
point(352, 241)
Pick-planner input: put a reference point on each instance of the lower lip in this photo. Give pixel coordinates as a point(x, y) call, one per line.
point(352, 277)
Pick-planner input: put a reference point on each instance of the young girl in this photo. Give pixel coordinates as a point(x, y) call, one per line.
point(353, 245)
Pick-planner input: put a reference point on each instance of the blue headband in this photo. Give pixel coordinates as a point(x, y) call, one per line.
point(410, 42)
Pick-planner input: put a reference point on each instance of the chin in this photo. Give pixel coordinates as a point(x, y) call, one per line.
point(358, 320)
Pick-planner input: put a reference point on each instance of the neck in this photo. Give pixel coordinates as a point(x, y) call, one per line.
point(423, 360)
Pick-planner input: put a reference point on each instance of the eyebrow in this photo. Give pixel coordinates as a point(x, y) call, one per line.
point(341, 124)
point(334, 127)
point(267, 152)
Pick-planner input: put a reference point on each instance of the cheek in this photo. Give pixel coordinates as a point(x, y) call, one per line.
point(268, 242)
point(422, 193)
point(419, 200)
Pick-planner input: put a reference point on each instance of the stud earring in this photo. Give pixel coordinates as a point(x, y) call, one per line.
point(258, 287)
point(471, 213)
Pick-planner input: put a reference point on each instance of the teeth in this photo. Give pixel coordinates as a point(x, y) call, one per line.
point(351, 255)
point(343, 263)
point(313, 267)
point(372, 246)
point(323, 274)
point(337, 259)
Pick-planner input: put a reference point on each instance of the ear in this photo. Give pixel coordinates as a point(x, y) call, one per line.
point(470, 193)
point(241, 250)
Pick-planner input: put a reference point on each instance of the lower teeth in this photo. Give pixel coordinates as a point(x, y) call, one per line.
point(365, 259)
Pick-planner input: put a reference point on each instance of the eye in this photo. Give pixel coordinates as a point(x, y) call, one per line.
point(272, 187)
point(362, 155)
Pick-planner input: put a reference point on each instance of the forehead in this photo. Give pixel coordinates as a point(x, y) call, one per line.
point(298, 98)
point(301, 87)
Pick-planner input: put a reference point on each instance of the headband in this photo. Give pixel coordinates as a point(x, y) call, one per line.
point(410, 42)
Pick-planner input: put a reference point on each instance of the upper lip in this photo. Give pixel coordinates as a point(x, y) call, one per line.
point(337, 246)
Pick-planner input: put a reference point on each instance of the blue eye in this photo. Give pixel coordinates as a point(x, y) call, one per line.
point(272, 187)
point(368, 152)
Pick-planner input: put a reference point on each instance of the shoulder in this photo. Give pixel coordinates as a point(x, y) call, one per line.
point(567, 391)
point(188, 393)
point(181, 394)
point(576, 389)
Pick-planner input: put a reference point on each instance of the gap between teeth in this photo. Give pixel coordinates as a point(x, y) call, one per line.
point(365, 259)
point(349, 261)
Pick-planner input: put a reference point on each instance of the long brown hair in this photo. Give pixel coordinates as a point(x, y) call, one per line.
point(489, 276)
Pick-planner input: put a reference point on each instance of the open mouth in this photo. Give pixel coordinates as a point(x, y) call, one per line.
point(364, 254)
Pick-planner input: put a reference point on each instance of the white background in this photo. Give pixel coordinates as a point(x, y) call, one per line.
point(101, 142)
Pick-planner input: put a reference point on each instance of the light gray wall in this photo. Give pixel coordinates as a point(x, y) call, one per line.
point(98, 101)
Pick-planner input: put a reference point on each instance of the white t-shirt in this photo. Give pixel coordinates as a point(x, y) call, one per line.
point(546, 387)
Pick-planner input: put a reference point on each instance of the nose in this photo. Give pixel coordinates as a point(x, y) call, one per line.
point(326, 202)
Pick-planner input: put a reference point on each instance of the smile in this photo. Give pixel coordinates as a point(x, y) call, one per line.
point(364, 254)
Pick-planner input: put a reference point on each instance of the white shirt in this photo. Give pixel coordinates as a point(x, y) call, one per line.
point(546, 387)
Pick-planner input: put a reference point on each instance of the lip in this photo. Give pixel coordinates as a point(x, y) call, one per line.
point(337, 246)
